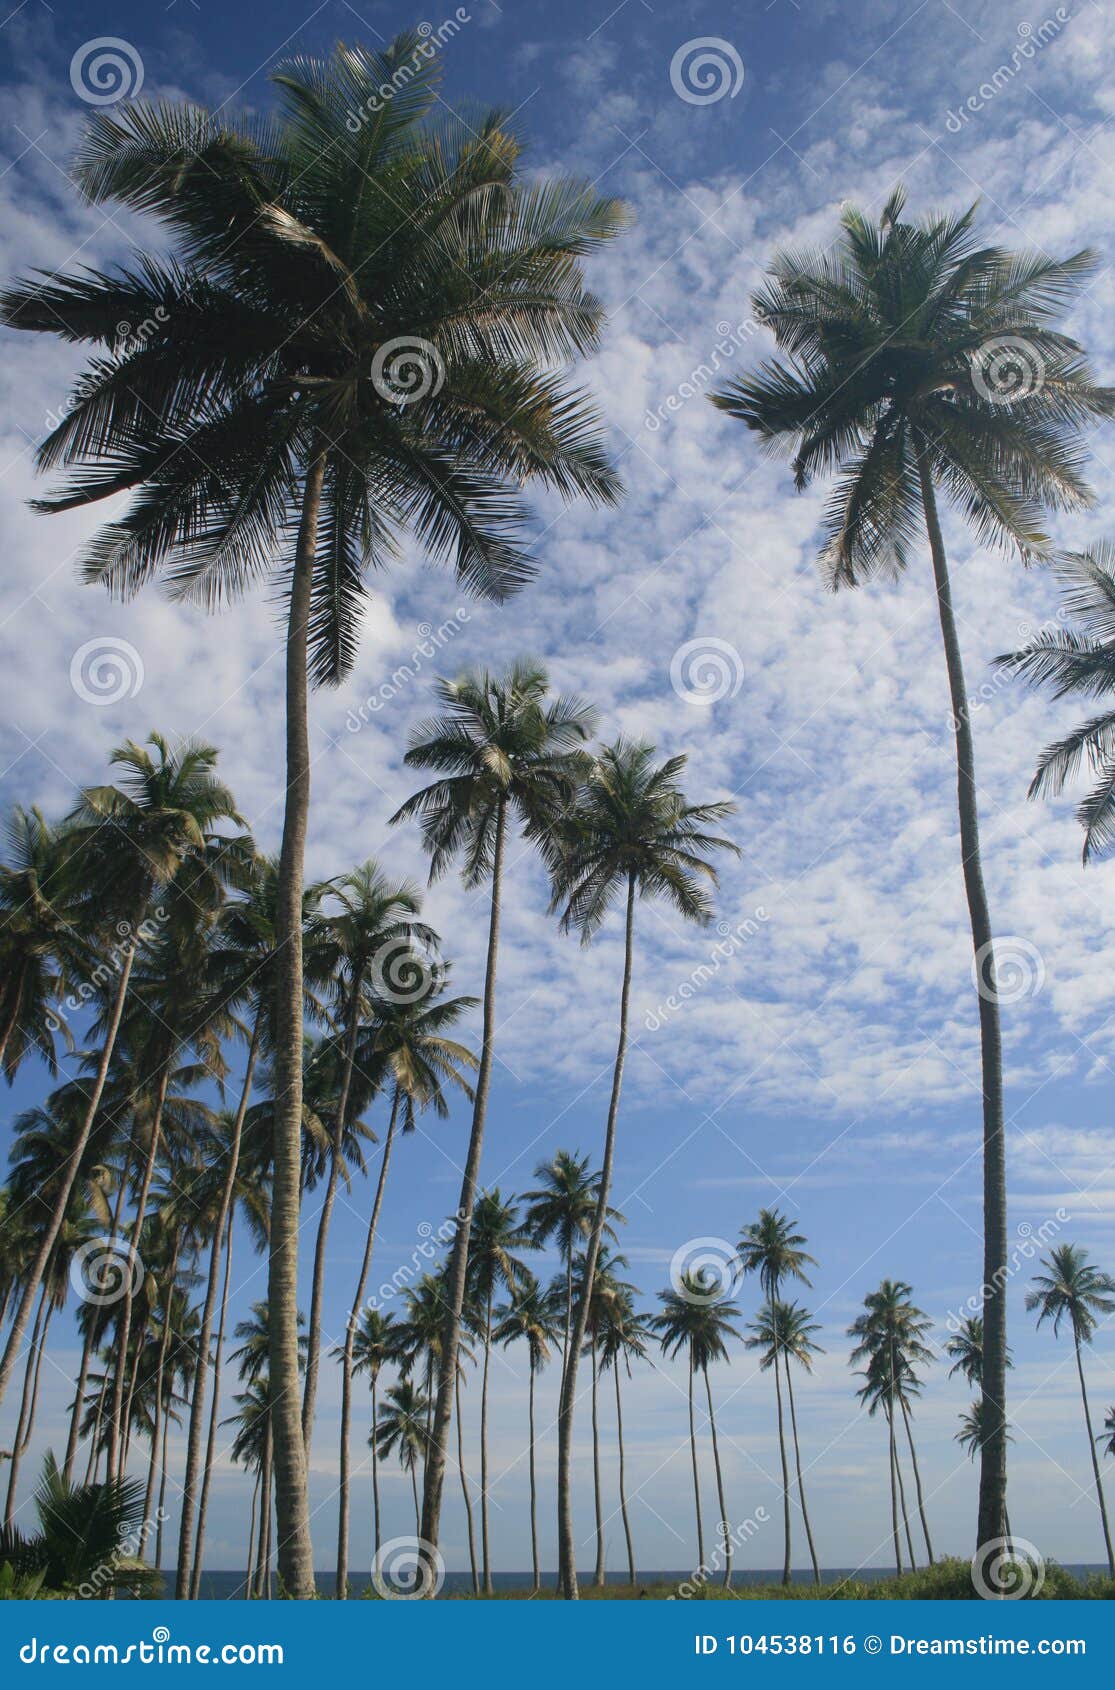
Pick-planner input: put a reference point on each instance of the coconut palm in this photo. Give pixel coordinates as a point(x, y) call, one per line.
point(771, 1249)
point(782, 1332)
point(128, 841)
point(40, 946)
point(916, 361)
point(970, 1436)
point(1107, 1437)
point(560, 1210)
point(1079, 661)
point(964, 1348)
point(624, 1337)
point(285, 422)
point(632, 834)
point(403, 1429)
point(697, 1318)
point(508, 755)
point(376, 1345)
point(1073, 1289)
point(251, 1447)
point(531, 1317)
point(607, 1287)
point(889, 1336)
point(407, 1048)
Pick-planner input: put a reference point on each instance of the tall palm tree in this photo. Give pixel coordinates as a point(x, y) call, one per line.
point(770, 1248)
point(284, 422)
point(1074, 1289)
point(129, 840)
point(40, 946)
point(508, 755)
point(894, 351)
point(407, 1045)
point(698, 1319)
point(403, 1429)
point(606, 1288)
point(889, 1336)
point(1079, 662)
point(497, 1233)
point(377, 1344)
point(782, 1332)
point(560, 1209)
point(530, 1317)
point(624, 1337)
point(632, 834)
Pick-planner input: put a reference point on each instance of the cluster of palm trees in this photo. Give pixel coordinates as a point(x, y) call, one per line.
point(360, 340)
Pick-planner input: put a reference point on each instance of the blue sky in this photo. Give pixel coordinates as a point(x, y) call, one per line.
point(829, 1064)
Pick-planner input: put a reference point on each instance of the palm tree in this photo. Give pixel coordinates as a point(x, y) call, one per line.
point(606, 1288)
point(697, 1318)
point(632, 834)
point(889, 1336)
point(407, 1046)
point(39, 943)
point(770, 1248)
point(783, 1332)
point(274, 415)
point(377, 1343)
point(560, 1209)
point(507, 754)
point(128, 841)
point(624, 1337)
point(1074, 1289)
point(531, 1317)
point(894, 351)
point(497, 1232)
point(403, 1428)
point(253, 1358)
point(251, 1447)
point(964, 1349)
point(1079, 661)
point(1107, 1437)
point(971, 1434)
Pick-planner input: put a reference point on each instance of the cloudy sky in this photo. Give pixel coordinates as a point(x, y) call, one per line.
point(828, 1063)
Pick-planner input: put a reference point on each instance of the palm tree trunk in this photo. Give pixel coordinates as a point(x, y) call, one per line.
point(263, 1552)
point(67, 1176)
point(917, 1480)
point(465, 1490)
point(346, 1369)
point(567, 1552)
point(598, 1578)
point(26, 1410)
point(79, 1400)
point(336, 1158)
point(296, 1559)
point(725, 1523)
point(486, 1557)
point(186, 1556)
point(786, 1567)
point(623, 1481)
point(118, 1424)
point(214, 1413)
point(160, 1375)
point(894, 1492)
point(1095, 1458)
point(568, 1309)
point(536, 1584)
point(251, 1541)
point(696, 1473)
point(458, 1260)
point(95, 1437)
point(161, 1516)
point(993, 1449)
point(801, 1481)
point(375, 1481)
point(905, 1510)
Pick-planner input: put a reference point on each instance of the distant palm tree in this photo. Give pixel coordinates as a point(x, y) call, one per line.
point(531, 1317)
point(971, 1434)
point(889, 1336)
point(964, 1349)
point(1073, 1289)
point(402, 1429)
point(624, 1337)
point(561, 1209)
point(632, 834)
point(696, 1318)
point(508, 754)
point(783, 1333)
point(497, 1233)
point(894, 348)
point(309, 249)
point(377, 1344)
point(1107, 1437)
point(606, 1288)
